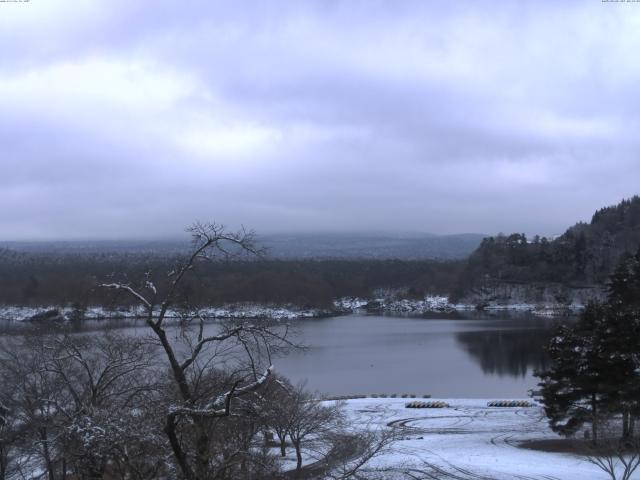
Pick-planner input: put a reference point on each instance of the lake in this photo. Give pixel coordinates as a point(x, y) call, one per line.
point(460, 355)
point(464, 354)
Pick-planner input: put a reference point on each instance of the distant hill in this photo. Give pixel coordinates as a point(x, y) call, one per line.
point(284, 247)
point(583, 256)
point(371, 246)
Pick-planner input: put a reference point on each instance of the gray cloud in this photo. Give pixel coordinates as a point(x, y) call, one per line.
point(315, 116)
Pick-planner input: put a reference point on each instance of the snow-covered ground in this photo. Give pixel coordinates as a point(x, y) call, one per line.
point(469, 440)
point(240, 311)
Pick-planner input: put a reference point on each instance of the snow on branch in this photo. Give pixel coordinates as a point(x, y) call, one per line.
point(221, 405)
point(130, 291)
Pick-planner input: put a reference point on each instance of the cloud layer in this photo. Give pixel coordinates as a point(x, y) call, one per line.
point(127, 119)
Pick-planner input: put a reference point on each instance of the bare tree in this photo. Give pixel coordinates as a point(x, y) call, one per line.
point(281, 403)
point(30, 397)
point(353, 453)
point(9, 436)
point(320, 428)
point(193, 355)
point(73, 403)
point(310, 419)
point(107, 378)
point(617, 457)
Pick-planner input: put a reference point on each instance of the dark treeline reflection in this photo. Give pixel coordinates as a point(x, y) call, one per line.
point(507, 352)
point(13, 327)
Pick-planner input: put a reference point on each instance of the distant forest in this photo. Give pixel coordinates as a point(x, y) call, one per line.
point(43, 279)
point(584, 255)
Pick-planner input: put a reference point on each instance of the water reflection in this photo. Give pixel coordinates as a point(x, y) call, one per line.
point(466, 354)
point(507, 352)
point(14, 327)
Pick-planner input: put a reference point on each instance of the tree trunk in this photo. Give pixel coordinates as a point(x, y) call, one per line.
point(4, 461)
point(181, 457)
point(296, 444)
point(178, 373)
point(283, 445)
point(46, 454)
point(632, 425)
point(202, 453)
point(625, 424)
point(594, 421)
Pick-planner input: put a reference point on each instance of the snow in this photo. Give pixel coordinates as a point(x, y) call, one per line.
point(439, 303)
point(468, 440)
point(239, 311)
point(431, 303)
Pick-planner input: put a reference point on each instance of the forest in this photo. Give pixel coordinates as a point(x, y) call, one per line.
point(46, 279)
point(585, 255)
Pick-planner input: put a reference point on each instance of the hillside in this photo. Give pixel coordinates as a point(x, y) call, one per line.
point(580, 260)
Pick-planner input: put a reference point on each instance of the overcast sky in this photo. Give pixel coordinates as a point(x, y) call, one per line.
point(133, 119)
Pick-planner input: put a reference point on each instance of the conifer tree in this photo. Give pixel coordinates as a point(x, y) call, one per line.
point(573, 390)
point(595, 369)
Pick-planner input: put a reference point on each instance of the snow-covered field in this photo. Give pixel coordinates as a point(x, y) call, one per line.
point(468, 441)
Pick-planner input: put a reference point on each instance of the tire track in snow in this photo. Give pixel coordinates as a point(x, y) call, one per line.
point(504, 427)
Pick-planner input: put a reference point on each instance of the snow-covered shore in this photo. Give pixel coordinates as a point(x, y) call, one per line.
point(243, 311)
point(467, 440)
point(347, 305)
point(437, 303)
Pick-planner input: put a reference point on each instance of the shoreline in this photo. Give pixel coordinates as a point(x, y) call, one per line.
point(437, 303)
point(343, 306)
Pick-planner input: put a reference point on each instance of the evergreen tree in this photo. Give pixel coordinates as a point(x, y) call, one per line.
point(573, 390)
point(624, 284)
point(596, 362)
point(618, 344)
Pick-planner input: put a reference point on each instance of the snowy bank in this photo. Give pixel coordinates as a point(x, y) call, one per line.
point(238, 311)
point(437, 303)
point(347, 305)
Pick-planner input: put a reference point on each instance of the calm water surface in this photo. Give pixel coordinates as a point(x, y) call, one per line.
point(458, 355)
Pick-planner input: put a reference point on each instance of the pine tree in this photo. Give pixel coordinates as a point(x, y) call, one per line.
point(624, 284)
point(595, 370)
point(618, 341)
point(574, 389)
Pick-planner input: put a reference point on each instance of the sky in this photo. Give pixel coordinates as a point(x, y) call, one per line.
point(132, 119)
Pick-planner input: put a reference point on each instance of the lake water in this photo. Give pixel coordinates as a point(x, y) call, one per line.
point(466, 354)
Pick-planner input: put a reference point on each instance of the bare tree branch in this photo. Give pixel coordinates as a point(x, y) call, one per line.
point(127, 288)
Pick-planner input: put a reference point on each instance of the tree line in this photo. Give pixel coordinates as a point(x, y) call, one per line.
point(584, 255)
point(52, 279)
